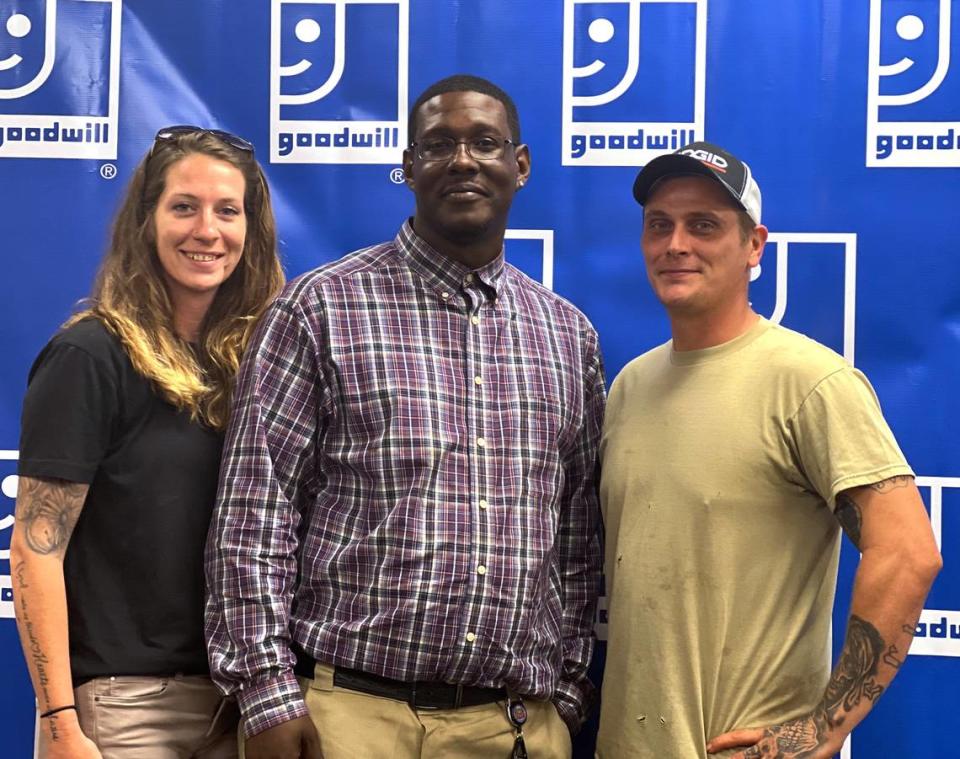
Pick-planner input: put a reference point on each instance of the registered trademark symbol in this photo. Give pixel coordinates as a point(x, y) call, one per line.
point(396, 176)
point(108, 171)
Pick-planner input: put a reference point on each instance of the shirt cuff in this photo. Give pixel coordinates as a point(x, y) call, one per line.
point(269, 703)
point(575, 702)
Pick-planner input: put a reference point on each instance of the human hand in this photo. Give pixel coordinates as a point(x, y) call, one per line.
point(807, 737)
point(295, 739)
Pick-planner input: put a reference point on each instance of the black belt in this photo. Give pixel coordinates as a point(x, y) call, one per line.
point(419, 695)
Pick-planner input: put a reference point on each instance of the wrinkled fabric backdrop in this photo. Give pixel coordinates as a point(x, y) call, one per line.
point(847, 110)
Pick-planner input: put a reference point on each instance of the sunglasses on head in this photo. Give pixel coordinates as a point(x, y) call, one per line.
point(172, 132)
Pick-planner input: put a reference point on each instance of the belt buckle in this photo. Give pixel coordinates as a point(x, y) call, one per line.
point(412, 702)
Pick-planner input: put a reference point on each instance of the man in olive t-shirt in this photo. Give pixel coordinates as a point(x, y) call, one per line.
point(732, 457)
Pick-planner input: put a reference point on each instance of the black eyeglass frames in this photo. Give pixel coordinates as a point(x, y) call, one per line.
point(444, 148)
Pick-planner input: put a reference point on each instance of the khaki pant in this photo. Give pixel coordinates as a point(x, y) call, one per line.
point(353, 725)
point(182, 717)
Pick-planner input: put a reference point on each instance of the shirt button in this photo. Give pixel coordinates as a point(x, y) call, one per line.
point(471, 636)
point(445, 295)
point(483, 503)
point(475, 319)
point(481, 570)
point(468, 279)
point(481, 442)
point(478, 380)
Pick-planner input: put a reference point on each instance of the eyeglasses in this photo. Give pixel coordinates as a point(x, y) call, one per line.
point(172, 132)
point(445, 148)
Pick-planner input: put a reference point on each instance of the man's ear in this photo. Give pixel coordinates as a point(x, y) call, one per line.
point(522, 153)
point(758, 239)
point(408, 167)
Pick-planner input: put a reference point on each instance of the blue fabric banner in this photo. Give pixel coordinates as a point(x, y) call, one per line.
point(848, 113)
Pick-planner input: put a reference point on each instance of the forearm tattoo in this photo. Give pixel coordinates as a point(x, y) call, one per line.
point(32, 648)
point(853, 681)
point(47, 511)
point(854, 677)
point(796, 739)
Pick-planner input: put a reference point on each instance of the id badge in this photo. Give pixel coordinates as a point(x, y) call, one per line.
point(517, 714)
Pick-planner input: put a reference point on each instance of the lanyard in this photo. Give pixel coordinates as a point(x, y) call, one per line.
point(517, 714)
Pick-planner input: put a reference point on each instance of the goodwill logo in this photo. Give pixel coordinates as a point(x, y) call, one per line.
point(807, 281)
point(913, 101)
point(59, 78)
point(338, 81)
point(8, 496)
point(938, 631)
point(627, 94)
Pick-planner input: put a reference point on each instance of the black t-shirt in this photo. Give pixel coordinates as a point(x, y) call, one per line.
point(134, 564)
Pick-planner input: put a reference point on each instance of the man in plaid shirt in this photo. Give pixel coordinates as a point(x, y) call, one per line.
point(406, 537)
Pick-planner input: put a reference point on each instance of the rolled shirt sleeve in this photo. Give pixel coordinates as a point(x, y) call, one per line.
point(251, 562)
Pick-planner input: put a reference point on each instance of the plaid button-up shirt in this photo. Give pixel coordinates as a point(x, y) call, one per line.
point(409, 485)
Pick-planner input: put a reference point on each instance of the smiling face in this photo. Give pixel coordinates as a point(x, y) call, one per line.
point(698, 259)
point(463, 203)
point(200, 228)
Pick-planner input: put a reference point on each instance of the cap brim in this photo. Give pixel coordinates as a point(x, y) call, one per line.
point(667, 165)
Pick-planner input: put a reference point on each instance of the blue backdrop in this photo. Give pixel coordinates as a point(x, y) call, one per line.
point(847, 110)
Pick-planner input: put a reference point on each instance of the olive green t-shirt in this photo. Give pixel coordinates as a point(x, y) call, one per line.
point(719, 472)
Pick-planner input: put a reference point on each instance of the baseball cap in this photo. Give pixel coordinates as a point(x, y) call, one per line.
point(703, 159)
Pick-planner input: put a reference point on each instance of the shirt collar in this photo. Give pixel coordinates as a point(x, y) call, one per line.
point(442, 273)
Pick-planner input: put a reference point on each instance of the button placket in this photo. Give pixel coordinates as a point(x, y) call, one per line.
point(482, 443)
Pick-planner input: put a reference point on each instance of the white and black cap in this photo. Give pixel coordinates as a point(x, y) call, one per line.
point(703, 159)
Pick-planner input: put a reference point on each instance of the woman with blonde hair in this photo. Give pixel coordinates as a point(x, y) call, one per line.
point(121, 435)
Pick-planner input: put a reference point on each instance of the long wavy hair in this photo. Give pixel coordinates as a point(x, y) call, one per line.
point(130, 296)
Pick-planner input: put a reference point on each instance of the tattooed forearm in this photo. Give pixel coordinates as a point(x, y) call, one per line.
point(853, 688)
point(892, 483)
point(850, 517)
point(854, 677)
point(47, 511)
point(796, 739)
point(32, 647)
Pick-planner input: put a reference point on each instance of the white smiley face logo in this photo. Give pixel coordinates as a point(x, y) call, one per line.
point(307, 31)
point(17, 26)
point(601, 31)
point(909, 28)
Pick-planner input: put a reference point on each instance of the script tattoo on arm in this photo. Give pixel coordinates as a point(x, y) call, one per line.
point(33, 648)
point(47, 511)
